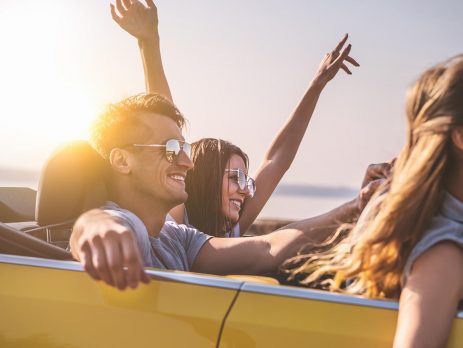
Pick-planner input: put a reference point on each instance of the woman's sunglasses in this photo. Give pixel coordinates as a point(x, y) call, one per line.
point(173, 148)
point(244, 181)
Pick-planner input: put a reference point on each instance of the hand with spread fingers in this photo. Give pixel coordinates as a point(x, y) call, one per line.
point(136, 18)
point(110, 250)
point(335, 60)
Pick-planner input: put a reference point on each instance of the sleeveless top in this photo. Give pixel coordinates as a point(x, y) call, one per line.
point(447, 226)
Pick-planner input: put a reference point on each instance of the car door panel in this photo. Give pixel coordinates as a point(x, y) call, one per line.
point(55, 304)
point(283, 316)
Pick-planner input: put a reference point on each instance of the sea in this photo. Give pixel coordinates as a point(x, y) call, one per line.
point(290, 201)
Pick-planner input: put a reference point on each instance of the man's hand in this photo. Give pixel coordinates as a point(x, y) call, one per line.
point(333, 61)
point(375, 175)
point(137, 19)
point(108, 250)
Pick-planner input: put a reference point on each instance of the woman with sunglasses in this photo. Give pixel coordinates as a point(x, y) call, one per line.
point(219, 188)
point(408, 242)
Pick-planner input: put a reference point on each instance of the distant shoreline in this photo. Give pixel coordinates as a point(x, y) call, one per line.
point(30, 178)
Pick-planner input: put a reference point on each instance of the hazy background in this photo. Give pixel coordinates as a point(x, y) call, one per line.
point(236, 70)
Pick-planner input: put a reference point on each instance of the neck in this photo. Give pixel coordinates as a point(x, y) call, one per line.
point(150, 212)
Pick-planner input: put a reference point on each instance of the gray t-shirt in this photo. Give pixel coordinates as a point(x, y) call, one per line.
point(234, 233)
point(445, 226)
point(175, 248)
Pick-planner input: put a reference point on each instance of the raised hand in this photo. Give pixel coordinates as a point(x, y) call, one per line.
point(335, 60)
point(135, 18)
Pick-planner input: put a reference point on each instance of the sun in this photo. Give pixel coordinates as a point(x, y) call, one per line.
point(39, 99)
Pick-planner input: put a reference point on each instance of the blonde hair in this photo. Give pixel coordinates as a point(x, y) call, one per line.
point(369, 258)
point(120, 124)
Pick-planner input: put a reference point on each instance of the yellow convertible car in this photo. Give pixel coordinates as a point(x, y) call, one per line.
point(47, 300)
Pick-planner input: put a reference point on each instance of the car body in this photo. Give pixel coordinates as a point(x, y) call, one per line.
point(54, 303)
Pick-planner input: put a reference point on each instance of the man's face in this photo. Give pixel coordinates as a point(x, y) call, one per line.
point(152, 175)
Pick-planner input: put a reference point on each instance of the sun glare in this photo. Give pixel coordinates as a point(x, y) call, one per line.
point(41, 98)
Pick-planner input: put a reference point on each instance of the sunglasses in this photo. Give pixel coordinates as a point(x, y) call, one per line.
point(173, 148)
point(244, 181)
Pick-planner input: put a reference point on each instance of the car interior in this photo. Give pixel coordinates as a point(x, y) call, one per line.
point(39, 223)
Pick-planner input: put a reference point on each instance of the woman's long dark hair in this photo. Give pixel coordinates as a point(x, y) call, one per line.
point(204, 184)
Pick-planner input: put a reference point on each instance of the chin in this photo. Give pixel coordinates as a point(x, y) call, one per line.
point(233, 219)
point(179, 197)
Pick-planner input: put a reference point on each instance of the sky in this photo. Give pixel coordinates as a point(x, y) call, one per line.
point(236, 69)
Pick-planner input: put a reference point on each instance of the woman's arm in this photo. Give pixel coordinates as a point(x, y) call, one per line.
point(142, 22)
point(429, 300)
point(284, 146)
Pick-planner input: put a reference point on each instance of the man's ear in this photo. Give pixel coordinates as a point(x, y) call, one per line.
point(457, 138)
point(119, 160)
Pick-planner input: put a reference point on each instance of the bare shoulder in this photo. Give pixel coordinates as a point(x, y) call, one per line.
point(441, 254)
point(441, 263)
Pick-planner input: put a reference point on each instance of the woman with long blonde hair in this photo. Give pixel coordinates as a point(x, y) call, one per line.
point(408, 242)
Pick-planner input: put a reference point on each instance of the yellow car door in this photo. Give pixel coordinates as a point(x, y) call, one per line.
point(48, 303)
point(284, 316)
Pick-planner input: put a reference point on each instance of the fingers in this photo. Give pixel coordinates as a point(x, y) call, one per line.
point(150, 4)
point(122, 10)
point(85, 256)
point(346, 69)
point(127, 3)
point(376, 171)
point(352, 61)
point(99, 260)
point(134, 272)
point(367, 192)
point(114, 14)
point(340, 44)
point(115, 261)
point(345, 52)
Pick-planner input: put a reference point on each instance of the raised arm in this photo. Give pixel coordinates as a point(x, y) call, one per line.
point(142, 22)
point(284, 146)
point(429, 300)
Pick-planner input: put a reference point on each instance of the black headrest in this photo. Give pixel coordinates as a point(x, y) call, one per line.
point(71, 182)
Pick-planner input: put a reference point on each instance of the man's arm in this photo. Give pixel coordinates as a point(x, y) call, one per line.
point(107, 249)
point(142, 22)
point(429, 301)
point(264, 254)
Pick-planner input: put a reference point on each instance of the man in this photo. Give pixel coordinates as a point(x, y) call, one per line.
point(141, 139)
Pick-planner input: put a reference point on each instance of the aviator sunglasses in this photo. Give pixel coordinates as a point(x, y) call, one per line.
point(173, 148)
point(244, 181)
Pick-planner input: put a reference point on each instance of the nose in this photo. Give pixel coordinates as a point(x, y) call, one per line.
point(245, 191)
point(184, 161)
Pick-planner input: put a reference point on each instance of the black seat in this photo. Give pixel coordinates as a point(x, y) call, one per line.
point(72, 181)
